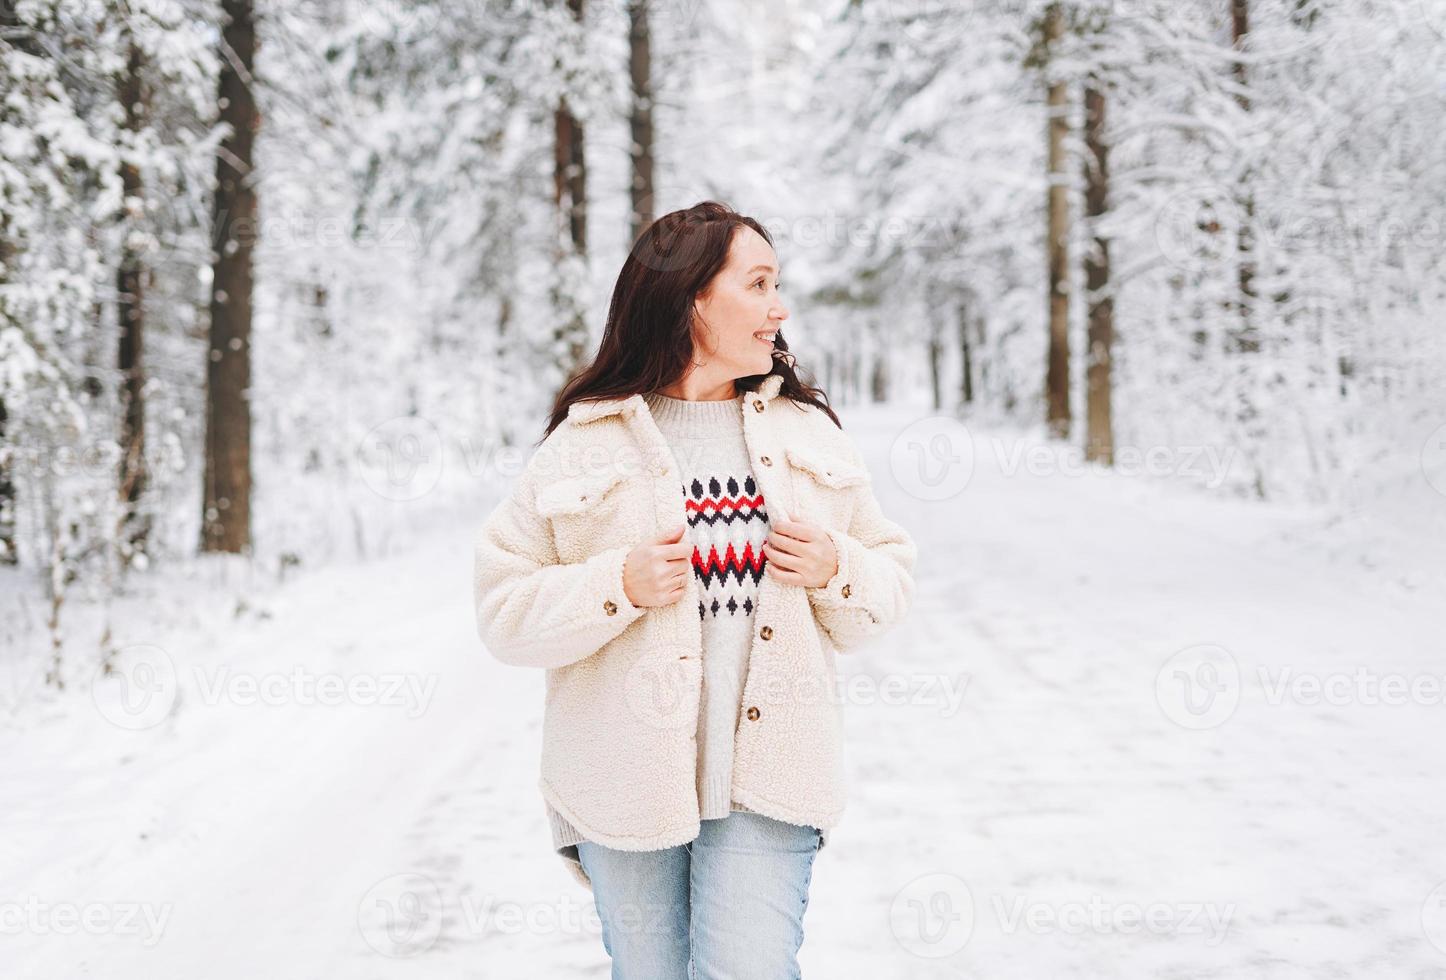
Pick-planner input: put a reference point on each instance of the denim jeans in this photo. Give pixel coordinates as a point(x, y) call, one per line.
point(728, 904)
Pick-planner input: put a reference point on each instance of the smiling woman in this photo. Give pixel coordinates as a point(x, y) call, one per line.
point(739, 313)
point(696, 313)
point(692, 755)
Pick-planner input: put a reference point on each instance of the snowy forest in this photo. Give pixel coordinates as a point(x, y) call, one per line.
point(287, 289)
point(261, 263)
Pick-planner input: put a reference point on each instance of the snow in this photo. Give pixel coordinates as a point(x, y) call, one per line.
point(1031, 794)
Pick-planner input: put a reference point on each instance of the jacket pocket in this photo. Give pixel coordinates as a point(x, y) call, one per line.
point(824, 485)
point(830, 471)
point(574, 495)
point(586, 513)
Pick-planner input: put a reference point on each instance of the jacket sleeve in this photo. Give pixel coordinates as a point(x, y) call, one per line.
point(532, 610)
point(873, 588)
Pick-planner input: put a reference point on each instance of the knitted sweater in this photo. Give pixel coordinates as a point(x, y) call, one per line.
point(727, 524)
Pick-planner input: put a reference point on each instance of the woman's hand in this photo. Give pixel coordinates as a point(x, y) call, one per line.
point(800, 553)
point(656, 574)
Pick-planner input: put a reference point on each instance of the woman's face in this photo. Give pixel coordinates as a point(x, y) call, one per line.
point(740, 311)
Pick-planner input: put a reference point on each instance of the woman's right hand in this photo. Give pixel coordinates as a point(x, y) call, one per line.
point(656, 573)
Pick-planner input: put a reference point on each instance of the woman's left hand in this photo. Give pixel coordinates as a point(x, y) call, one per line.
point(800, 553)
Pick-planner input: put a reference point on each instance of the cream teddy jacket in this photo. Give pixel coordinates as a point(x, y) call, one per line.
point(622, 685)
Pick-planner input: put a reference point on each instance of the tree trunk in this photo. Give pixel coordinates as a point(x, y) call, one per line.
point(1057, 375)
point(570, 195)
point(1099, 432)
point(966, 360)
point(640, 65)
point(1246, 338)
point(20, 40)
point(850, 370)
point(570, 176)
point(8, 553)
point(1244, 341)
point(226, 520)
point(130, 313)
point(879, 375)
point(936, 365)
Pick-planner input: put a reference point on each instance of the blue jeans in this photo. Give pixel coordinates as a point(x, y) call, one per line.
point(728, 904)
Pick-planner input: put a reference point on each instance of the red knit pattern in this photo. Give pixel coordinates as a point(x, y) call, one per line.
point(731, 513)
point(730, 564)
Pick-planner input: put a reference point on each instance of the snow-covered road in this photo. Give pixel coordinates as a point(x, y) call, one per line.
point(1128, 731)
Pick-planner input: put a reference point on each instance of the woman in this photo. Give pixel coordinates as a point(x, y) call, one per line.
point(683, 554)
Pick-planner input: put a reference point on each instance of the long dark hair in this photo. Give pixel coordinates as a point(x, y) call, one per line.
point(647, 341)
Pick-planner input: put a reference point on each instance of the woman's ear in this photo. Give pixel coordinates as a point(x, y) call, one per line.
point(702, 334)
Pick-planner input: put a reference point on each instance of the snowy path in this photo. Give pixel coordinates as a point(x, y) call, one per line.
point(1023, 804)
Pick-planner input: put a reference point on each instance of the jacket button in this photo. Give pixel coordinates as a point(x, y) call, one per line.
point(752, 714)
point(758, 404)
point(765, 461)
point(766, 632)
point(845, 590)
point(610, 607)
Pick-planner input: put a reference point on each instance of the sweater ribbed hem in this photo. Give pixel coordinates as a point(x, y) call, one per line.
point(565, 834)
point(715, 797)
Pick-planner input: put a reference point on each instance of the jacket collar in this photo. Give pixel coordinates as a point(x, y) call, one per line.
point(581, 412)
